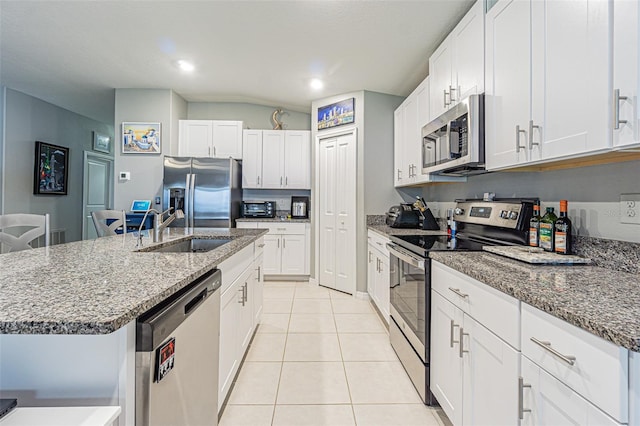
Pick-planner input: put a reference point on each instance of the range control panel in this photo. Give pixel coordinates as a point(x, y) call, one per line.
point(504, 214)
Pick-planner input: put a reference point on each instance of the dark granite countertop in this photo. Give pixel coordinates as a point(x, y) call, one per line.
point(602, 301)
point(98, 286)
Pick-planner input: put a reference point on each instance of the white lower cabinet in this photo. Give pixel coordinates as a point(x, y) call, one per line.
point(473, 372)
point(378, 278)
point(547, 401)
point(240, 311)
point(286, 247)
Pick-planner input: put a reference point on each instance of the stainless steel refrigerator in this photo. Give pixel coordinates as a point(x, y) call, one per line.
point(207, 190)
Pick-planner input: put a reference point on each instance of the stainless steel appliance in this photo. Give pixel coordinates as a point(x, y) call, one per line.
point(299, 207)
point(177, 357)
point(453, 144)
point(258, 209)
point(207, 190)
point(479, 223)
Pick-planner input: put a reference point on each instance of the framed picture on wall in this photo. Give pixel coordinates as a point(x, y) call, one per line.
point(101, 143)
point(51, 169)
point(141, 138)
point(336, 114)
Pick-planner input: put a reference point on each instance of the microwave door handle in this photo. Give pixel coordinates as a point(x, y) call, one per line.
point(454, 139)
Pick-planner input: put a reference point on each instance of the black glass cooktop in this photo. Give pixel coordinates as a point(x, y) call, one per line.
point(422, 244)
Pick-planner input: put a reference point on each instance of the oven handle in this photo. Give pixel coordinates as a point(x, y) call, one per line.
point(406, 256)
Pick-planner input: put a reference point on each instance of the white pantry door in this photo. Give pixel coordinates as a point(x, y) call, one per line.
point(337, 190)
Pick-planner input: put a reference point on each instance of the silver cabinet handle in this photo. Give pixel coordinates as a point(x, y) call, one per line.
point(281, 229)
point(399, 174)
point(209, 151)
point(278, 242)
point(214, 151)
point(452, 335)
point(280, 180)
point(521, 409)
point(246, 292)
point(380, 266)
point(531, 127)
point(451, 90)
point(616, 109)
point(284, 243)
point(260, 245)
point(446, 104)
point(462, 334)
point(518, 131)
point(569, 359)
point(259, 273)
point(458, 292)
point(241, 290)
point(377, 264)
point(370, 256)
point(258, 180)
point(286, 180)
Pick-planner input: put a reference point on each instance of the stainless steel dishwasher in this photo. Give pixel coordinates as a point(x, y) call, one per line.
point(177, 357)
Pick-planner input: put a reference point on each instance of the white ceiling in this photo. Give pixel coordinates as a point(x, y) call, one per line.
point(74, 53)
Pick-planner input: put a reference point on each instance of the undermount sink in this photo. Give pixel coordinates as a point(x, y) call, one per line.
point(192, 245)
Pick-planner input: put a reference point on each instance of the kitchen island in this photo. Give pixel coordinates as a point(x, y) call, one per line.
point(67, 313)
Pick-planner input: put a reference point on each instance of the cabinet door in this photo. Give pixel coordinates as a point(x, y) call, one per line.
point(372, 271)
point(297, 159)
point(196, 138)
point(382, 285)
point(446, 363)
point(570, 106)
point(227, 139)
point(626, 71)
point(258, 290)
point(252, 159)
point(398, 147)
point(490, 371)
point(272, 158)
point(247, 281)
point(508, 76)
point(547, 401)
point(293, 254)
point(440, 70)
point(272, 254)
point(467, 40)
point(230, 304)
point(412, 137)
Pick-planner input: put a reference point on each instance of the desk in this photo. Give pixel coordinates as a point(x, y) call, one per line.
point(134, 220)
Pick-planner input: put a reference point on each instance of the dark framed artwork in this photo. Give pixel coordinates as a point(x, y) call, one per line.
point(336, 114)
point(51, 169)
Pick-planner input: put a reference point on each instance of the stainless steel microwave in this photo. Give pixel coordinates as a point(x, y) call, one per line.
point(453, 144)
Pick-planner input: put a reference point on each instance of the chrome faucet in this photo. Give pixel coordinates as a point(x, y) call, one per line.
point(159, 225)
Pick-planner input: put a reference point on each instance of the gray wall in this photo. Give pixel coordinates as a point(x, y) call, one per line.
point(252, 116)
point(593, 194)
point(27, 120)
point(3, 92)
point(144, 105)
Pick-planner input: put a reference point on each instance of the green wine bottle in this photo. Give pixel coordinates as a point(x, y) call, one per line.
point(547, 223)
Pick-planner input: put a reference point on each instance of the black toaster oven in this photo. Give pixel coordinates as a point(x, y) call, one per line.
point(258, 209)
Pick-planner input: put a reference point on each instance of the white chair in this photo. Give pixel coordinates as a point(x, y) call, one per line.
point(108, 221)
point(16, 240)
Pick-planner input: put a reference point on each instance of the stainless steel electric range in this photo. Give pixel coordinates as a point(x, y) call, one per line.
point(479, 223)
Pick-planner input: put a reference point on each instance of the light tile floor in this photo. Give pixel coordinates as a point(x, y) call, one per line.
point(321, 357)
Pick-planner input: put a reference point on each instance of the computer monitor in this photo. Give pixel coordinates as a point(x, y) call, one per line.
point(140, 206)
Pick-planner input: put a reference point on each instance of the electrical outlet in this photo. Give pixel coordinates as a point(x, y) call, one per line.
point(630, 208)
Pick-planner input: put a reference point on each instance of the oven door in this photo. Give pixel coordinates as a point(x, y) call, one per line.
point(409, 297)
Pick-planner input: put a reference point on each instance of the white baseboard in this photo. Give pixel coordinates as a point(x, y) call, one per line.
point(313, 281)
point(362, 295)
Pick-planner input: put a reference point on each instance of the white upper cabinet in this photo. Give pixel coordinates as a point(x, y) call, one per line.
point(210, 138)
point(276, 159)
point(547, 68)
point(251, 158)
point(457, 67)
point(626, 73)
point(398, 148)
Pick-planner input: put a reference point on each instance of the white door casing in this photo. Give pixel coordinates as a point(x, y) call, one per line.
point(97, 189)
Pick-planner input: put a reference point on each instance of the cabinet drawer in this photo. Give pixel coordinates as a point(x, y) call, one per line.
point(591, 366)
point(495, 310)
point(283, 228)
point(247, 225)
point(234, 266)
point(378, 241)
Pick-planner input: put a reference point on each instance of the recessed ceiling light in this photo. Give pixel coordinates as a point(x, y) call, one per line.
point(185, 66)
point(316, 84)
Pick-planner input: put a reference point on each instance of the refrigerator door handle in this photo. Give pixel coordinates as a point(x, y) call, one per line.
point(187, 200)
point(192, 192)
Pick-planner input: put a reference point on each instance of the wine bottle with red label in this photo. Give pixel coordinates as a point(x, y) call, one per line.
point(562, 231)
